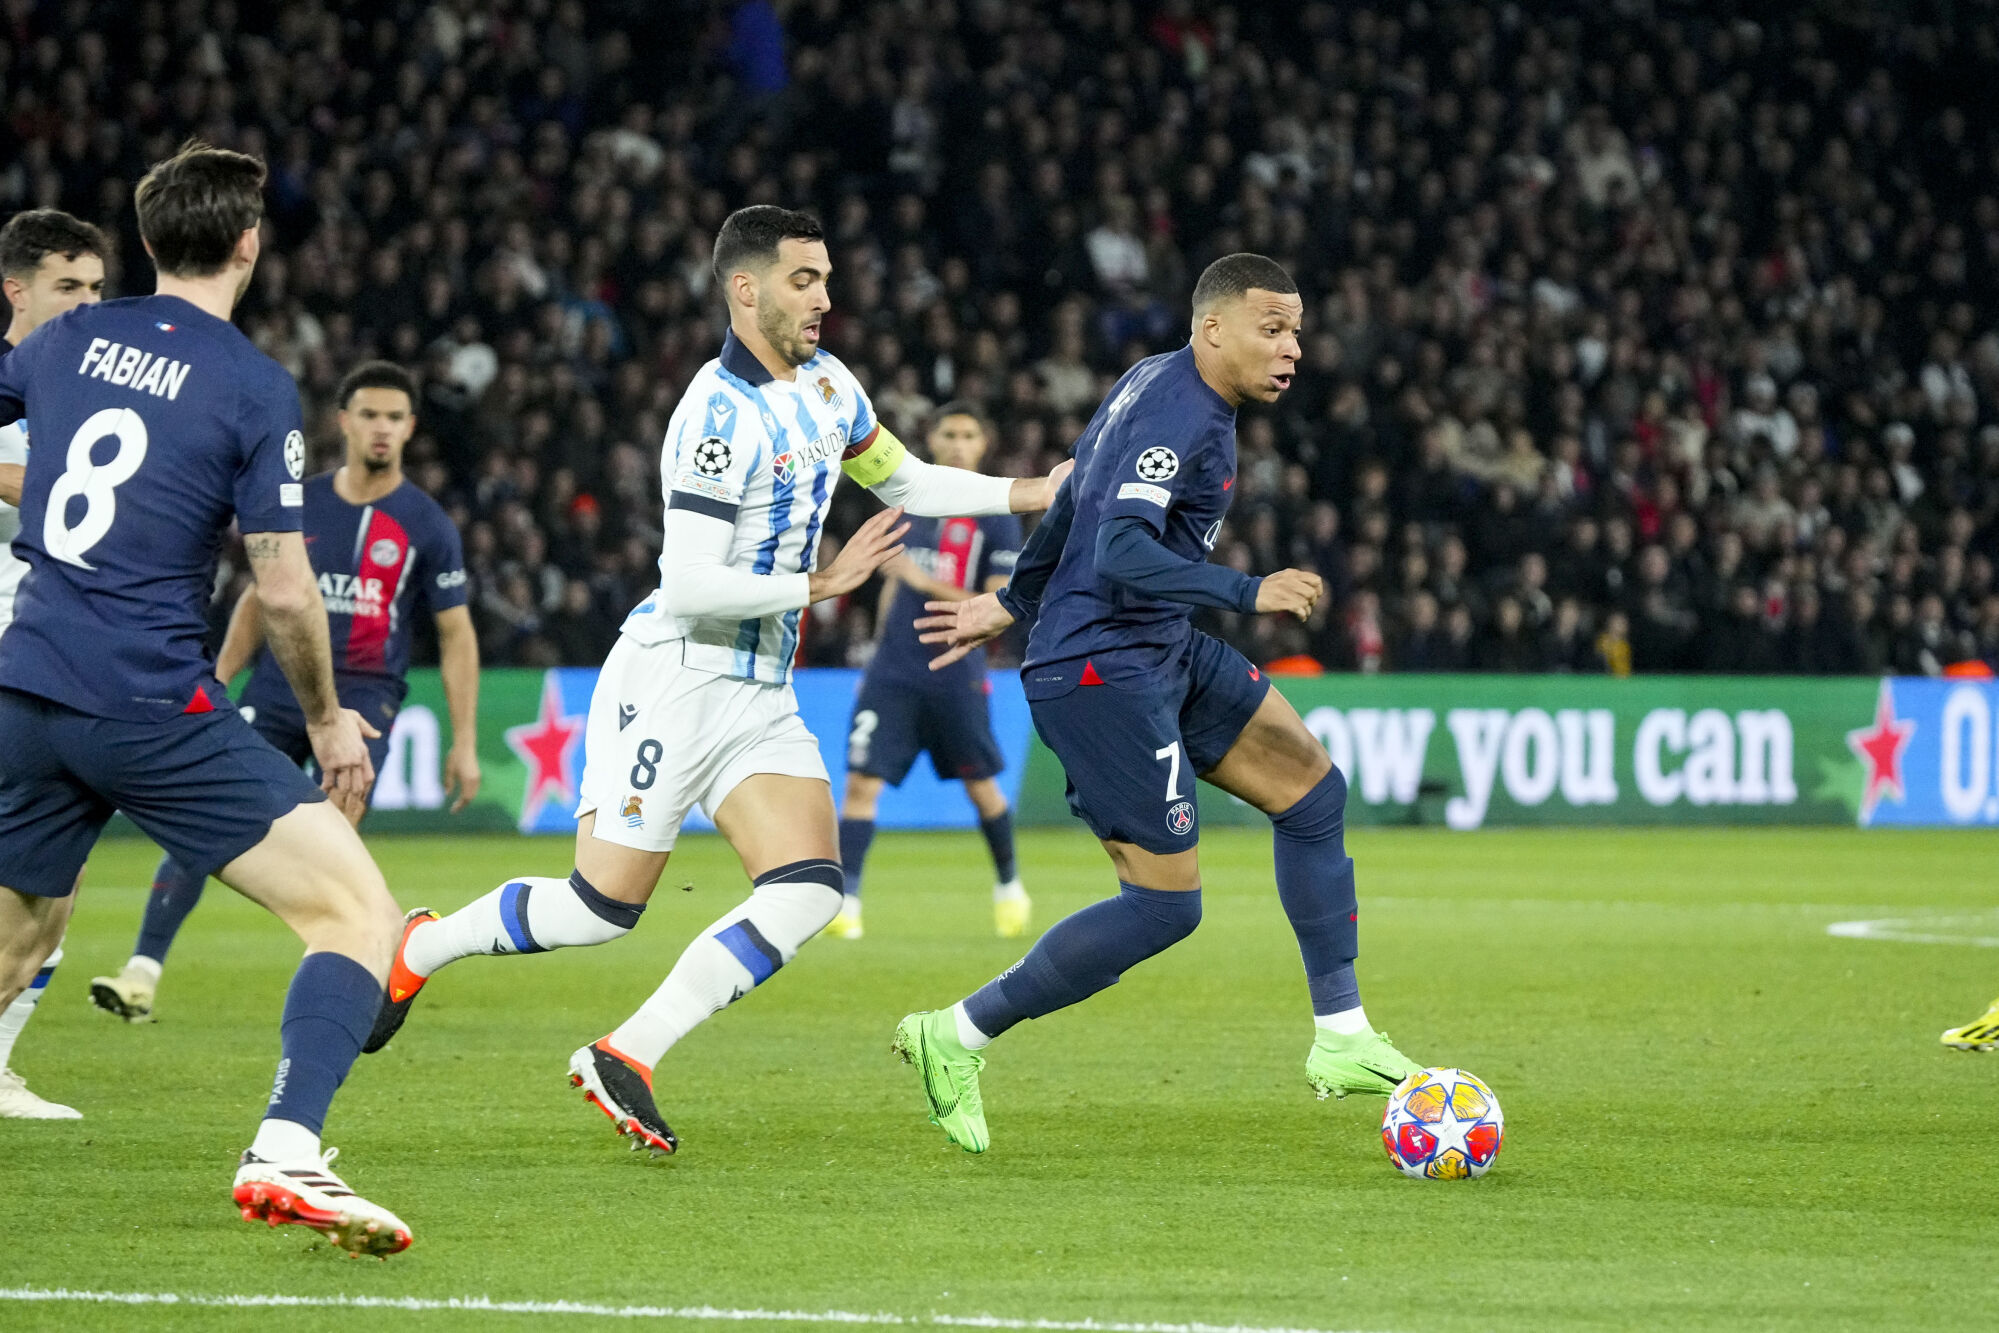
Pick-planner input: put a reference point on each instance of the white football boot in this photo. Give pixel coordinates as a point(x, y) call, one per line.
point(308, 1193)
point(17, 1103)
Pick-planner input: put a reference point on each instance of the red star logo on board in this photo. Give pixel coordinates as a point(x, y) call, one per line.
point(547, 746)
point(1880, 748)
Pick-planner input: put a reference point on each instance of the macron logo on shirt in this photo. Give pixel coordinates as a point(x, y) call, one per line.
point(129, 367)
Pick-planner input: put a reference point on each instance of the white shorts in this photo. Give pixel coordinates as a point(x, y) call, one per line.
point(664, 737)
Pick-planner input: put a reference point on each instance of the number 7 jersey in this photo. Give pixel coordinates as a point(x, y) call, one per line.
point(151, 425)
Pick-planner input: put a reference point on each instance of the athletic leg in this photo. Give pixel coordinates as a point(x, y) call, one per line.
point(131, 991)
point(1012, 908)
point(1122, 753)
point(782, 829)
point(1277, 766)
point(857, 834)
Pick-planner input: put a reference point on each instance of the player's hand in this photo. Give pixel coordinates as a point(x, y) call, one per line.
point(1033, 495)
point(962, 626)
point(340, 746)
point(1291, 591)
point(461, 774)
point(873, 544)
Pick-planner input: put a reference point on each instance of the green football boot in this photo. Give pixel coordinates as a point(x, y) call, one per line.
point(950, 1074)
point(1362, 1062)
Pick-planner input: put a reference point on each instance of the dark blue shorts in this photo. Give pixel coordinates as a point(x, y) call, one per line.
point(1131, 753)
point(285, 730)
point(896, 720)
point(203, 786)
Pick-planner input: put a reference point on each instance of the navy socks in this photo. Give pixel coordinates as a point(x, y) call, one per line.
point(328, 1013)
point(1316, 885)
point(1083, 953)
point(175, 892)
point(855, 837)
point(999, 840)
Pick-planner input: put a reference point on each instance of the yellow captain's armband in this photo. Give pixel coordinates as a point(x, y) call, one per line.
point(871, 462)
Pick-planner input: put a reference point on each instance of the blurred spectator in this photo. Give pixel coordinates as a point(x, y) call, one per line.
point(1582, 283)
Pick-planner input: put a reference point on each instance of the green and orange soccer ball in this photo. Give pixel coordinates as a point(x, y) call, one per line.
point(1442, 1124)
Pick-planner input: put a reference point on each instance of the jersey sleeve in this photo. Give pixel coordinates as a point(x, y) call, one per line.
point(444, 566)
point(1002, 550)
point(1145, 466)
point(270, 481)
point(711, 456)
point(873, 453)
point(15, 367)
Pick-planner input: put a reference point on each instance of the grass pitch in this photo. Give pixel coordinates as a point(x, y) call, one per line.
point(1717, 1115)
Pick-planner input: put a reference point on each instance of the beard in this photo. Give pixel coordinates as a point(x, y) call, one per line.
point(376, 466)
point(783, 336)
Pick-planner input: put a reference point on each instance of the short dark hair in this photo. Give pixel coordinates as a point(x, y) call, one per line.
point(193, 207)
point(30, 237)
point(749, 238)
point(1233, 276)
point(961, 407)
point(376, 375)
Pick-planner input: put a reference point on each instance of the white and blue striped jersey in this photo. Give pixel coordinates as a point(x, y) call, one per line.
point(13, 449)
point(763, 454)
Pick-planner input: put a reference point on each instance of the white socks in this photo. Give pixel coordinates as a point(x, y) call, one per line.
point(15, 1016)
point(147, 968)
point(969, 1035)
point(285, 1141)
point(787, 907)
point(1346, 1023)
point(528, 915)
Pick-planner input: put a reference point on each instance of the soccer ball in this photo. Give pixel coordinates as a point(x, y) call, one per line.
point(1442, 1124)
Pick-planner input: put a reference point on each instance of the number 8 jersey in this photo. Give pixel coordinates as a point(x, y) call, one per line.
point(154, 424)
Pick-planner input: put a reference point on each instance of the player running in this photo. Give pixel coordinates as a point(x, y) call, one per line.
point(694, 704)
point(1136, 704)
point(379, 547)
point(904, 708)
point(158, 424)
point(49, 262)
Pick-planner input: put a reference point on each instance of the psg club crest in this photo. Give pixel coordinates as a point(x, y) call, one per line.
point(1180, 819)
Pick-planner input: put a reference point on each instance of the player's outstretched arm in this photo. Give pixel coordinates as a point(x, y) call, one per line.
point(12, 475)
point(458, 662)
point(295, 626)
point(244, 637)
point(901, 480)
point(961, 626)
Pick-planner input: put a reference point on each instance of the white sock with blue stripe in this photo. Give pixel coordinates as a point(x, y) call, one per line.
point(525, 915)
point(16, 1015)
point(788, 906)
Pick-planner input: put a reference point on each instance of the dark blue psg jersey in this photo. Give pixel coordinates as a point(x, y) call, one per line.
point(152, 425)
point(376, 564)
point(963, 552)
point(1161, 449)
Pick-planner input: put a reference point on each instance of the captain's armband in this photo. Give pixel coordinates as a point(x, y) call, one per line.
point(875, 459)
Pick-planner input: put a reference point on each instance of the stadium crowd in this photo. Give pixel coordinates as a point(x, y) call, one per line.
point(1637, 338)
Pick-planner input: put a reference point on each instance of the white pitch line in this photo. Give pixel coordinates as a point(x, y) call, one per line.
point(486, 1305)
point(1922, 930)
